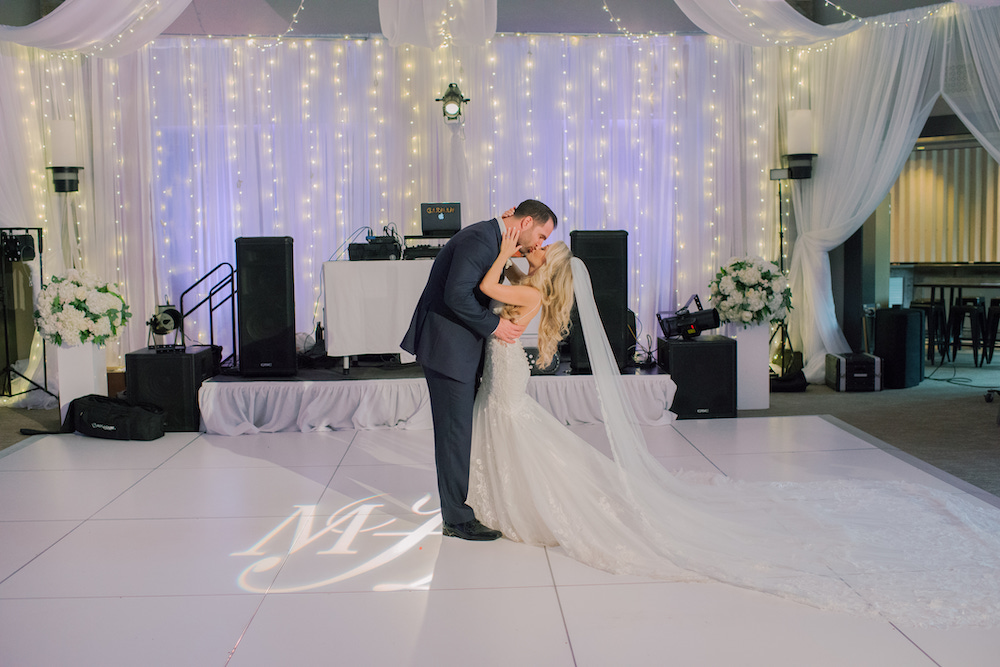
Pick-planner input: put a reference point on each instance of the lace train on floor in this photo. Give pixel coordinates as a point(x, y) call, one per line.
point(909, 553)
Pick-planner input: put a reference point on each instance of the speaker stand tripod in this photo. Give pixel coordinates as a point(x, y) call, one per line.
point(786, 353)
point(7, 315)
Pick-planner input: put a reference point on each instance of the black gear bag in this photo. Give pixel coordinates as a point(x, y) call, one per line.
point(114, 418)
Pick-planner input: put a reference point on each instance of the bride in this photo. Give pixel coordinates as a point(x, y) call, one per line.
point(908, 553)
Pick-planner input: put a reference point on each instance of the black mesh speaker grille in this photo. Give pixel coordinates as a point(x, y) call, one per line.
point(265, 305)
point(171, 381)
point(704, 370)
point(605, 252)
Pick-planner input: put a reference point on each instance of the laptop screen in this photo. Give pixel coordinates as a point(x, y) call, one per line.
point(440, 220)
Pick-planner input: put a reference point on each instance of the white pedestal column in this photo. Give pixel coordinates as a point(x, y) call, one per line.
point(82, 371)
point(753, 377)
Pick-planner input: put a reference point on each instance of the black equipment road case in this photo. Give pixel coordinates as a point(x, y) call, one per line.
point(854, 372)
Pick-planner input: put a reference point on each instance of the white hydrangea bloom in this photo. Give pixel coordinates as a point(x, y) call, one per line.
point(727, 285)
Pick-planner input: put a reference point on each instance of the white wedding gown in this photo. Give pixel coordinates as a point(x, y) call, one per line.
point(905, 552)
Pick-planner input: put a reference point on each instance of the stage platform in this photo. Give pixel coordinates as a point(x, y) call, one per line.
point(396, 397)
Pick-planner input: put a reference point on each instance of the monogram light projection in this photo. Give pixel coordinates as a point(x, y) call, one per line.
point(355, 540)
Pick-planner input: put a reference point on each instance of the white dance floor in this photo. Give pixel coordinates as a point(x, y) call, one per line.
point(324, 548)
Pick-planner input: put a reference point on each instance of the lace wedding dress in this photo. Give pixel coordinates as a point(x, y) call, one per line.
point(908, 553)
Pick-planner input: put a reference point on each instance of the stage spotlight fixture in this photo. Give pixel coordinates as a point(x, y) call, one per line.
point(687, 323)
point(166, 319)
point(452, 102)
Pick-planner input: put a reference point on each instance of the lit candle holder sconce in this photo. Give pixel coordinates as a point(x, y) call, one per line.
point(63, 159)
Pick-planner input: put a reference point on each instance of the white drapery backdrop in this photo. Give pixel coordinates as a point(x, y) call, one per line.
point(320, 138)
point(192, 143)
point(195, 142)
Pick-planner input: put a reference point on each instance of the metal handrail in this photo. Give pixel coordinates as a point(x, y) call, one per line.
point(227, 281)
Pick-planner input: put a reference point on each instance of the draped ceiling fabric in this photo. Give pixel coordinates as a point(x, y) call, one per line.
point(970, 79)
point(760, 22)
point(106, 28)
point(432, 23)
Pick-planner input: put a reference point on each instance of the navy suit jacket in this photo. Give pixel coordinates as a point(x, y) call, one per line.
point(452, 320)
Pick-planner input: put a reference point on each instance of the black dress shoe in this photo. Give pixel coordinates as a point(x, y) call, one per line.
point(471, 530)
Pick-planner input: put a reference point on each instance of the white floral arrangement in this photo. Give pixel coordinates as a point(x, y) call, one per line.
point(79, 308)
point(750, 290)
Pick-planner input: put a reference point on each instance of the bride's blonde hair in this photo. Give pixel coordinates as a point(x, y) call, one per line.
point(554, 279)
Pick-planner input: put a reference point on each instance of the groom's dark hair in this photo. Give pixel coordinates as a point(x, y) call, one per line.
point(538, 211)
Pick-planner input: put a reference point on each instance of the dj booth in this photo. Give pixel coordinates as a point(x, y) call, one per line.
point(369, 305)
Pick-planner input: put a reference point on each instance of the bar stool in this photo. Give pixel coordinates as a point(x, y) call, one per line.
point(992, 324)
point(976, 310)
point(936, 327)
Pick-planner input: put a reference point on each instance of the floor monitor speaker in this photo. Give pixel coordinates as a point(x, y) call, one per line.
point(704, 370)
point(171, 380)
point(605, 252)
point(265, 305)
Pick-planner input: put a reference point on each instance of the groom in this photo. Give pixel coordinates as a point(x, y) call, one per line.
point(448, 333)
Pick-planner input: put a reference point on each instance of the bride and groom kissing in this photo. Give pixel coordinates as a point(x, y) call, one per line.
point(448, 334)
point(508, 468)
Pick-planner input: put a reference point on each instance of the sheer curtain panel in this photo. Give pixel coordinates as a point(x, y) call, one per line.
point(871, 93)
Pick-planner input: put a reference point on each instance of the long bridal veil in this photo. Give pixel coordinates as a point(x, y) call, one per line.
point(903, 551)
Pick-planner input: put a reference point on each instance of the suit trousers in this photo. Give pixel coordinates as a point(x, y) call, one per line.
point(451, 410)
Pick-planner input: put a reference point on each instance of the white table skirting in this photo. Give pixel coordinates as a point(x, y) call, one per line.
point(268, 406)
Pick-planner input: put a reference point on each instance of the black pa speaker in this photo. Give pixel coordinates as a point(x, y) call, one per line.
point(899, 342)
point(605, 252)
point(704, 370)
point(265, 305)
point(170, 380)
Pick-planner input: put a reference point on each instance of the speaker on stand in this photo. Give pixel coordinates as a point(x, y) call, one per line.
point(605, 252)
point(265, 305)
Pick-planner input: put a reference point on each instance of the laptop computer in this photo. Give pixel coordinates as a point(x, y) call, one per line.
point(440, 220)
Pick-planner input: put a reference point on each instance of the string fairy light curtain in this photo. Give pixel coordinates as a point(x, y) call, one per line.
point(320, 139)
point(107, 28)
point(37, 87)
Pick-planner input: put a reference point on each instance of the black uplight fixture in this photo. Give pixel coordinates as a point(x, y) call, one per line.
point(452, 102)
point(65, 165)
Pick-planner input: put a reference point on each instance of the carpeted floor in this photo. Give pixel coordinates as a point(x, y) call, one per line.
point(945, 420)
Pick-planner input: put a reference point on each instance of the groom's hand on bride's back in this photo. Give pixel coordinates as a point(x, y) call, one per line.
point(507, 331)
